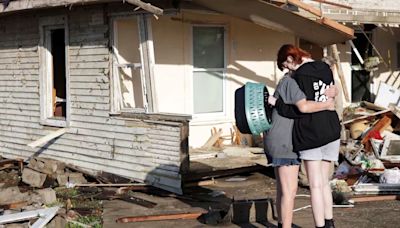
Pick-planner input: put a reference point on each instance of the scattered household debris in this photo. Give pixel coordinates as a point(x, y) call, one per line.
point(44, 215)
point(370, 150)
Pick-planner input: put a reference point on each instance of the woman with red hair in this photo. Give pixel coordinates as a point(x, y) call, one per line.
point(278, 144)
point(315, 135)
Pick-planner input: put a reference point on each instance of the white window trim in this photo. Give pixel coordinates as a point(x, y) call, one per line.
point(115, 83)
point(214, 115)
point(45, 78)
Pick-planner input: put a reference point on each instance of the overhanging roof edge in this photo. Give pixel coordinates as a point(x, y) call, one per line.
point(323, 31)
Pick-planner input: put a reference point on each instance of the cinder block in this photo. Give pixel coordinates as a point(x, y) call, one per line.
point(47, 166)
point(47, 195)
point(33, 178)
point(12, 195)
point(74, 178)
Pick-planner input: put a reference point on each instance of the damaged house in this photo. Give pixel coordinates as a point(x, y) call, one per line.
point(372, 58)
point(118, 86)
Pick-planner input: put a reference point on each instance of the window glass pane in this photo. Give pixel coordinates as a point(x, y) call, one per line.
point(208, 47)
point(208, 92)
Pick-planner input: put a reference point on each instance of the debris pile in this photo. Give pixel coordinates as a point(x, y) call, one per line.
point(370, 151)
point(62, 195)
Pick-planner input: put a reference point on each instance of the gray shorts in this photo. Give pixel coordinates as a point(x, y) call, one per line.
point(328, 152)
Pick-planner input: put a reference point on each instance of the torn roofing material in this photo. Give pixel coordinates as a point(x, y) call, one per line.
point(321, 31)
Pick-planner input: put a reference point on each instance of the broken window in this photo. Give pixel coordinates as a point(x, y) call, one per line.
point(361, 78)
point(130, 48)
point(53, 73)
point(208, 69)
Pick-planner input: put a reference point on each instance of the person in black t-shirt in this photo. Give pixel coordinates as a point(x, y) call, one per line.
point(315, 135)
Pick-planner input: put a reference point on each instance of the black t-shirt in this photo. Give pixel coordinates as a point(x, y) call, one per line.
point(312, 130)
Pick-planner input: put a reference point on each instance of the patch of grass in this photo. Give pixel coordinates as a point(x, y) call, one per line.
point(63, 192)
point(90, 220)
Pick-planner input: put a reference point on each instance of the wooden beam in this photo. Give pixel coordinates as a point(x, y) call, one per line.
point(194, 215)
point(306, 7)
point(146, 6)
point(334, 4)
point(335, 53)
point(380, 126)
point(212, 140)
point(48, 137)
point(336, 25)
point(375, 198)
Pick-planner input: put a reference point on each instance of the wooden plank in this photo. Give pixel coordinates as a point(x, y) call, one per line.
point(380, 126)
point(212, 140)
point(102, 42)
point(7, 99)
point(19, 112)
point(90, 65)
point(146, 6)
point(89, 99)
point(375, 198)
point(106, 135)
point(11, 75)
point(48, 138)
point(89, 92)
point(306, 7)
point(88, 50)
point(64, 141)
point(19, 66)
point(193, 215)
point(89, 75)
point(28, 73)
point(18, 43)
point(335, 53)
point(96, 106)
point(19, 50)
point(19, 89)
point(336, 25)
point(19, 54)
point(90, 112)
point(18, 60)
point(28, 107)
point(18, 83)
point(89, 58)
point(334, 4)
point(88, 30)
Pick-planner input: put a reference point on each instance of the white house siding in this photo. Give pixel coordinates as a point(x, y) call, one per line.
point(151, 150)
point(250, 56)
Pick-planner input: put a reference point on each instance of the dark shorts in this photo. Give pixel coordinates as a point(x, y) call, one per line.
point(276, 162)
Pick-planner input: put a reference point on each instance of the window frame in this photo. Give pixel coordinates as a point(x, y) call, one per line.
point(146, 65)
point(47, 24)
point(210, 115)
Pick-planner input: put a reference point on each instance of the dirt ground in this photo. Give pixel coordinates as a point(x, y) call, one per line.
point(257, 186)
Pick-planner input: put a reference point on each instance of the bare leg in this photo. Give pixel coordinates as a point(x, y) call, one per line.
point(278, 195)
point(327, 192)
point(315, 176)
point(288, 188)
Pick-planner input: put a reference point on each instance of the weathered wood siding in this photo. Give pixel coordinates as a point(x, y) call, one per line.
point(146, 149)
